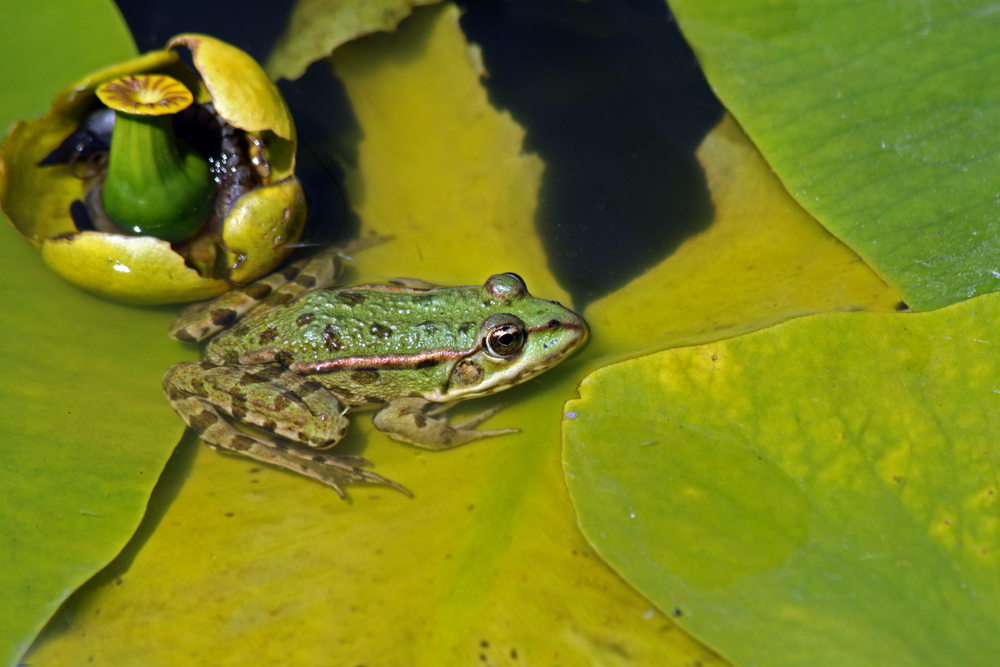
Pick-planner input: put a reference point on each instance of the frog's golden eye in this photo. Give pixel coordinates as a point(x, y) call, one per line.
point(505, 339)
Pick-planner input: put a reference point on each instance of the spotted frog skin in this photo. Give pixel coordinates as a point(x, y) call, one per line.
point(303, 356)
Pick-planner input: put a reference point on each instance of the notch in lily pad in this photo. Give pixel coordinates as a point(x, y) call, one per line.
point(186, 188)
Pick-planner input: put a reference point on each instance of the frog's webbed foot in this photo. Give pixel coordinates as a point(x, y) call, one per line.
point(422, 423)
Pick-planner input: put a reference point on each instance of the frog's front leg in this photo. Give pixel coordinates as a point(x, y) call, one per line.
point(288, 408)
point(415, 420)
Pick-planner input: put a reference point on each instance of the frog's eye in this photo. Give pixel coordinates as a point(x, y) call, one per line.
point(505, 286)
point(505, 340)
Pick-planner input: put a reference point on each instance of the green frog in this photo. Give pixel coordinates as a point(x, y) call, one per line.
point(280, 385)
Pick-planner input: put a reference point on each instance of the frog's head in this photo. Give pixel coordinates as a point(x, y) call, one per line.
point(521, 338)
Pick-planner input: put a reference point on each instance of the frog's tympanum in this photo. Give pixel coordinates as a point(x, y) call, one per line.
point(303, 355)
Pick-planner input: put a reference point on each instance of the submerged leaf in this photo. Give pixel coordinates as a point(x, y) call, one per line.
point(317, 27)
point(881, 119)
point(823, 491)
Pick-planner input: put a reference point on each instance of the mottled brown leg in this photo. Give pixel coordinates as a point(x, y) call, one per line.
point(201, 320)
point(206, 397)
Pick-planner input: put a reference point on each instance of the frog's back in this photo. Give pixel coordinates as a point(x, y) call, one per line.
point(363, 320)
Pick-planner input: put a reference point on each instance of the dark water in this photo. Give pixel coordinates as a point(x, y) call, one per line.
point(608, 92)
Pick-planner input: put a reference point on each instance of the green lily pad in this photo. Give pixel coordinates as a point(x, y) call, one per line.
point(49, 44)
point(821, 492)
point(317, 27)
point(85, 428)
point(882, 119)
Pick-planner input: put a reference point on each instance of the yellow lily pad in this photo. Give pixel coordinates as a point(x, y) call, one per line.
point(485, 560)
point(821, 492)
point(317, 27)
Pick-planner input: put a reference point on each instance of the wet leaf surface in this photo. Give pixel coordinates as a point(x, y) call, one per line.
point(826, 487)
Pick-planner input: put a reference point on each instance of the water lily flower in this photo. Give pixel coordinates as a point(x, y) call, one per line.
point(147, 183)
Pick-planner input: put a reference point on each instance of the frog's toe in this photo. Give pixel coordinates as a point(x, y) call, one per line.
point(348, 468)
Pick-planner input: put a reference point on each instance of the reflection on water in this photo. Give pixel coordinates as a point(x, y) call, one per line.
point(613, 101)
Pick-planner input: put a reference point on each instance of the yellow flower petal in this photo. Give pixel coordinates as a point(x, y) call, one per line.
point(131, 269)
point(261, 226)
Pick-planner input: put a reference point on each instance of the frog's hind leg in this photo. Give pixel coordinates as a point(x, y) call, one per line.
point(208, 397)
point(200, 320)
point(215, 430)
point(416, 421)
